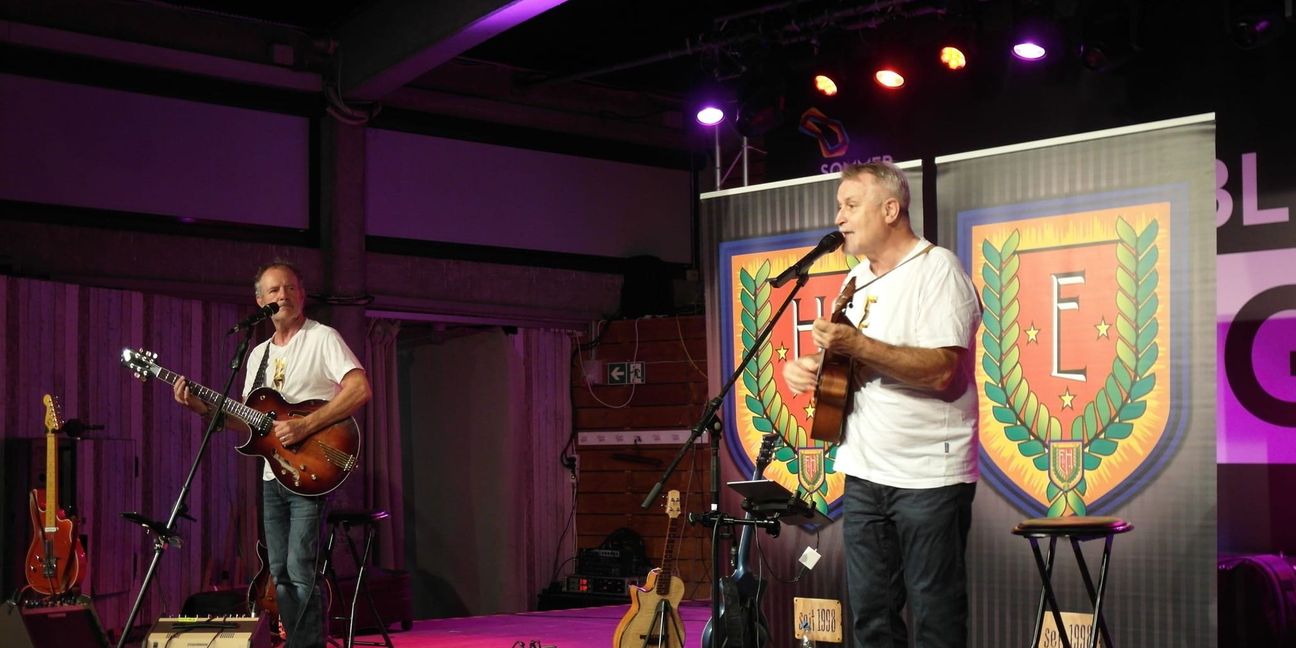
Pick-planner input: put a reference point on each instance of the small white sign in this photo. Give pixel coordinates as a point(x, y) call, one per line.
point(636, 373)
point(617, 373)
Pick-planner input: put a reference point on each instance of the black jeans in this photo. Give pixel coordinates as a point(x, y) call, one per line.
point(906, 545)
point(292, 528)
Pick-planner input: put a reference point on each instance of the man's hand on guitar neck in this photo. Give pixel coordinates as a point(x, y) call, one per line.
point(180, 391)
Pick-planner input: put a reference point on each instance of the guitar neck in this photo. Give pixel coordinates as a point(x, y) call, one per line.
point(51, 481)
point(668, 559)
point(249, 416)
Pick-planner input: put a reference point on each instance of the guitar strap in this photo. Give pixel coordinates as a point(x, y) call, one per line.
point(925, 250)
point(259, 381)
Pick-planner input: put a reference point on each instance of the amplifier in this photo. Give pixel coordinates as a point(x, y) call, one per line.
point(209, 632)
point(608, 562)
point(599, 584)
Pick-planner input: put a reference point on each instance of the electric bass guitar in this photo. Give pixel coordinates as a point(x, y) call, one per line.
point(314, 466)
point(741, 623)
point(56, 561)
point(834, 385)
point(653, 619)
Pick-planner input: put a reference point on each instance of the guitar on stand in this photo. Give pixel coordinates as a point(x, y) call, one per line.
point(56, 560)
point(836, 379)
point(262, 601)
point(742, 623)
point(653, 619)
point(315, 466)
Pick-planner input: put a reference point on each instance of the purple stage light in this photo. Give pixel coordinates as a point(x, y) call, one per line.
point(1028, 51)
point(710, 116)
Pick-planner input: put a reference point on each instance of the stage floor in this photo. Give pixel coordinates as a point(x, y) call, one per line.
point(575, 628)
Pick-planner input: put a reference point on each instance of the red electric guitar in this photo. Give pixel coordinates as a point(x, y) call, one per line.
point(56, 561)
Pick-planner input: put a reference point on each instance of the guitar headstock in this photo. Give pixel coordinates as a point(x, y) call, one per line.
point(844, 299)
point(766, 452)
point(673, 504)
point(140, 362)
point(53, 414)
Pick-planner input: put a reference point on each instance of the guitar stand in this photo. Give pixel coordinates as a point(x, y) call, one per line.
point(661, 622)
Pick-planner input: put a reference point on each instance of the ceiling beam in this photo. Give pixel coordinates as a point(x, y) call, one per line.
point(394, 42)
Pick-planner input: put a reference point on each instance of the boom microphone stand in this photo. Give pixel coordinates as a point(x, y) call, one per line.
point(166, 534)
point(711, 421)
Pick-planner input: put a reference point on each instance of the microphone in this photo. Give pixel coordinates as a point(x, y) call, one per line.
point(76, 427)
point(256, 318)
point(826, 244)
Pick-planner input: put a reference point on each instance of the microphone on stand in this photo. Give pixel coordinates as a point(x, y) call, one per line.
point(826, 244)
point(256, 318)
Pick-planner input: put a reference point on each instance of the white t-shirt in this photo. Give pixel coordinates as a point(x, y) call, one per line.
point(309, 367)
point(903, 436)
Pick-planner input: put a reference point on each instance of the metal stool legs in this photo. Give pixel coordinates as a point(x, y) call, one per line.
point(361, 561)
point(1045, 567)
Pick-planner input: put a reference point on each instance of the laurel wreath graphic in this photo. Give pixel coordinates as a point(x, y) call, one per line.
point(769, 413)
point(1109, 417)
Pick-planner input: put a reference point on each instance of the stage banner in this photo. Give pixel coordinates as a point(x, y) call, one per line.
point(1094, 259)
point(749, 235)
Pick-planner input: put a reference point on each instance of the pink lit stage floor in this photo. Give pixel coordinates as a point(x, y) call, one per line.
point(575, 628)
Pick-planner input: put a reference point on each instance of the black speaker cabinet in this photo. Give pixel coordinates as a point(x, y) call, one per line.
point(51, 627)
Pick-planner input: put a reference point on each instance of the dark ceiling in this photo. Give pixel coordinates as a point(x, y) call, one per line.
point(601, 70)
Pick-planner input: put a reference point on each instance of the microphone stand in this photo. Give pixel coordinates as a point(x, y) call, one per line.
point(711, 421)
point(166, 534)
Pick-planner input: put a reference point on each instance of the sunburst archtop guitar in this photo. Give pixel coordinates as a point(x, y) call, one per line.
point(313, 466)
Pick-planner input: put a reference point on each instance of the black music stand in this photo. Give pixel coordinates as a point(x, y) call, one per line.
point(766, 499)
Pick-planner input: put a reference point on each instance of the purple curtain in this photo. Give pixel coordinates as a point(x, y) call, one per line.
point(541, 392)
point(67, 340)
point(382, 454)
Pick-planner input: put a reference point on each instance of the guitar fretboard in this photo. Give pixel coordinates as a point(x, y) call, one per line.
point(668, 559)
point(253, 418)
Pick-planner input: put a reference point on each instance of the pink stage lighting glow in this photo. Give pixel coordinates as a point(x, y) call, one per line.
point(710, 116)
point(1028, 51)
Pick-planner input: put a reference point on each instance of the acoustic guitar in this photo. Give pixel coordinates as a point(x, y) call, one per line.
point(314, 466)
point(834, 384)
point(653, 619)
point(741, 622)
point(56, 561)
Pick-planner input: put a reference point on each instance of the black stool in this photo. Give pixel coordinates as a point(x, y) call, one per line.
point(369, 520)
point(1077, 530)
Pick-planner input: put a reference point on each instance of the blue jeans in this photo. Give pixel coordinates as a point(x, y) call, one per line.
point(906, 545)
point(292, 529)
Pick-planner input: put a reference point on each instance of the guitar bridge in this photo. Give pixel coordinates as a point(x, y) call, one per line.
point(343, 460)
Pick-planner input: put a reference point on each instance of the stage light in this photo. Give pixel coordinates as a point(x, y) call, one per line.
point(953, 58)
point(889, 79)
point(1108, 35)
point(825, 85)
point(710, 116)
point(1029, 51)
point(1256, 23)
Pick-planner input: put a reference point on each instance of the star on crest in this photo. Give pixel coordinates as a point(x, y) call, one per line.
point(1067, 397)
point(782, 351)
point(1102, 327)
point(1032, 334)
point(809, 410)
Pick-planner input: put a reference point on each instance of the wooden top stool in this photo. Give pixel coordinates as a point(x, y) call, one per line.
point(1076, 529)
